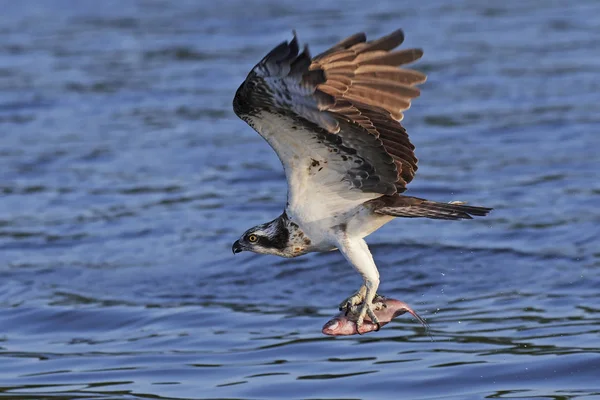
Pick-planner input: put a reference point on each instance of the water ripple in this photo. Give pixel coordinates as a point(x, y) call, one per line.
point(127, 176)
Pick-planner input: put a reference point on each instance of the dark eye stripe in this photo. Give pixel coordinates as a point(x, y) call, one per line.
point(278, 242)
point(264, 241)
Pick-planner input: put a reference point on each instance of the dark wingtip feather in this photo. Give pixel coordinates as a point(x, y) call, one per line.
point(293, 47)
point(301, 63)
point(281, 51)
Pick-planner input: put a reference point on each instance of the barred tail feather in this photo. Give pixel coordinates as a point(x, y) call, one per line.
point(412, 207)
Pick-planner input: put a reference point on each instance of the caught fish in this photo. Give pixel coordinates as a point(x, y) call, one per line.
point(344, 323)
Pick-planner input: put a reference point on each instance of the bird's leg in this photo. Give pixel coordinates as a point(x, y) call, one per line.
point(354, 300)
point(368, 307)
point(357, 253)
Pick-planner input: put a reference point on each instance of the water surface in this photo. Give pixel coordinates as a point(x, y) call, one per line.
point(126, 177)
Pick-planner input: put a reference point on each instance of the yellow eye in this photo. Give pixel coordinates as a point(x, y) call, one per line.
point(252, 238)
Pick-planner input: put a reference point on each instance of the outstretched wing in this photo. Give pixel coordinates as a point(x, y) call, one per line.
point(334, 120)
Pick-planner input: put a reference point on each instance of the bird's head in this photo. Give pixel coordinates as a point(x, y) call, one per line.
point(269, 238)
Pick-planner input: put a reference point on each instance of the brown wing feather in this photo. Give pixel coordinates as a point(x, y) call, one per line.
point(354, 91)
point(370, 90)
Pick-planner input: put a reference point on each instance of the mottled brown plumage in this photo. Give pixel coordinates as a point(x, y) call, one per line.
point(368, 89)
point(355, 85)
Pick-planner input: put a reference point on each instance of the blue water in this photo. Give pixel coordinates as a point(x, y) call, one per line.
point(125, 177)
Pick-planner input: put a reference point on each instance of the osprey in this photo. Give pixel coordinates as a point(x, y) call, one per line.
point(333, 121)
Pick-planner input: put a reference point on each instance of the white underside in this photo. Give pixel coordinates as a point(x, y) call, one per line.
point(320, 201)
point(329, 211)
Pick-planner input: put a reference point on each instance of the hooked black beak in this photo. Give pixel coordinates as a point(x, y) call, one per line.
point(237, 247)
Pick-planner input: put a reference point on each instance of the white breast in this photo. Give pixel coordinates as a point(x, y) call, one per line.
point(320, 200)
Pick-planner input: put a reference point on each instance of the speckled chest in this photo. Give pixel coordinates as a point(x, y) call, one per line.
point(298, 242)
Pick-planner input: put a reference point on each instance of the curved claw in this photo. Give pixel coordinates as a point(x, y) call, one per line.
point(372, 316)
point(357, 328)
point(367, 310)
point(353, 300)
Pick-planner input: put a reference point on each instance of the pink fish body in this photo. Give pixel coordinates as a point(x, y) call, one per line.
point(344, 324)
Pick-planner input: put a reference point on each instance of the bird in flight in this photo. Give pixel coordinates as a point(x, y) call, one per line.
point(334, 122)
